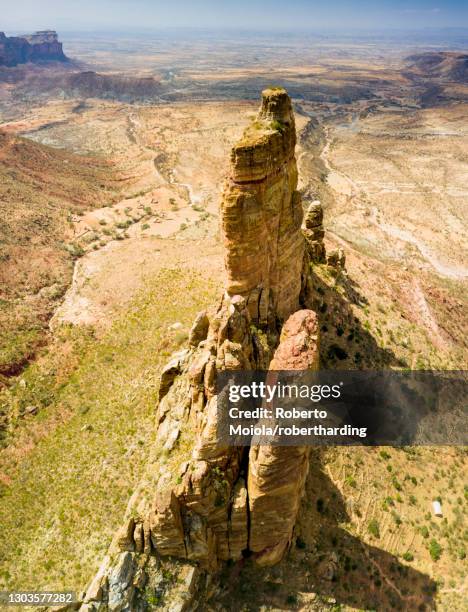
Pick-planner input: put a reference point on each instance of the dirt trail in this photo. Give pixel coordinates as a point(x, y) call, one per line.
point(344, 185)
point(444, 269)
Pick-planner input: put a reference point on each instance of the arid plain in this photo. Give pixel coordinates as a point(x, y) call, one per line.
point(146, 128)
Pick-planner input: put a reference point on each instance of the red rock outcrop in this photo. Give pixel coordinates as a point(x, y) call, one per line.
point(277, 474)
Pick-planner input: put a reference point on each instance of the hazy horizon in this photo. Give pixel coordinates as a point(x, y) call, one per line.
point(284, 15)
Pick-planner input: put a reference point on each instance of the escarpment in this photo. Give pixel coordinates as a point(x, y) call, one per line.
point(37, 47)
point(212, 503)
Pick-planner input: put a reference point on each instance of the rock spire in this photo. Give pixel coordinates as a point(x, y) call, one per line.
point(261, 214)
point(217, 503)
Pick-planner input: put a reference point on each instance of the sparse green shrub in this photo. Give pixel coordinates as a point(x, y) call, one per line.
point(435, 550)
point(374, 529)
point(75, 250)
point(123, 224)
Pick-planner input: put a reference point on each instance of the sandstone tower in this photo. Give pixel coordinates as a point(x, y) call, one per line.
point(261, 214)
point(217, 503)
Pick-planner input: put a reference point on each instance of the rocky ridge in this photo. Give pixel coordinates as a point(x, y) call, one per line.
point(217, 504)
point(40, 46)
point(442, 65)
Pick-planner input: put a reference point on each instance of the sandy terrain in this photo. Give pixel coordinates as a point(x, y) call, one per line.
point(174, 158)
point(107, 280)
point(421, 161)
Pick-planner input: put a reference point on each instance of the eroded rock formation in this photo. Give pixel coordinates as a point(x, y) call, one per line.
point(40, 46)
point(212, 503)
point(276, 474)
point(261, 214)
point(312, 229)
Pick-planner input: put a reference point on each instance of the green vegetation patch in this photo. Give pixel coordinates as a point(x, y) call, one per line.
point(69, 471)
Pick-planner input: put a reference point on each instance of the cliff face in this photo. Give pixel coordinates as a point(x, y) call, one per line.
point(277, 474)
point(217, 503)
point(261, 214)
point(40, 46)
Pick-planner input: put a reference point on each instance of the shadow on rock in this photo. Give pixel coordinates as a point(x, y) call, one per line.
point(326, 567)
point(346, 343)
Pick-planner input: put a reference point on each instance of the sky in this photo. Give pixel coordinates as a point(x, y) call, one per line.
point(74, 15)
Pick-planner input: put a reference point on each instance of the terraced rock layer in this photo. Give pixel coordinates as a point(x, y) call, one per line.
point(40, 46)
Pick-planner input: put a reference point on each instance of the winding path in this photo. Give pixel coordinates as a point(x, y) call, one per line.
point(442, 268)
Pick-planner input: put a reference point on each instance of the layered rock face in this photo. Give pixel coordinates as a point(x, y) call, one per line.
point(276, 474)
point(312, 229)
point(215, 503)
point(261, 214)
point(40, 46)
